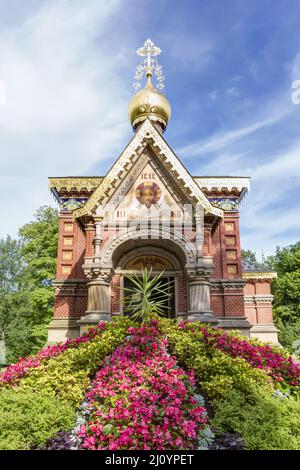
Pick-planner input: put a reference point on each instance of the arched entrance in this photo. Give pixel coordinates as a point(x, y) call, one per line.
point(128, 260)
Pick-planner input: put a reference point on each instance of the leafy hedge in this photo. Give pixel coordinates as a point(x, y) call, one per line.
point(59, 385)
point(277, 363)
point(265, 422)
point(244, 398)
point(252, 388)
point(29, 419)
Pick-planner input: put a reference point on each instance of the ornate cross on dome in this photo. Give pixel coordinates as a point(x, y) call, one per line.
point(149, 65)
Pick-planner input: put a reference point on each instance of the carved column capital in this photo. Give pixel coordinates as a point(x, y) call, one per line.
point(203, 268)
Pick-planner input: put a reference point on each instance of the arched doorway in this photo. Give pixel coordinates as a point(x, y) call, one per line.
point(156, 263)
point(128, 260)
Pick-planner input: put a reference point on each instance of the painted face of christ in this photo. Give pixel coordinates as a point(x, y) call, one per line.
point(148, 197)
point(148, 193)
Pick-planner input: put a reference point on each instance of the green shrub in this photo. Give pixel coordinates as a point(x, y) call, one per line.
point(45, 401)
point(265, 422)
point(242, 396)
point(68, 375)
point(288, 334)
point(217, 372)
point(28, 419)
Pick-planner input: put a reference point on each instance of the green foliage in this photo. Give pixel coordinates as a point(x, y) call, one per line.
point(265, 422)
point(28, 419)
point(27, 268)
point(249, 255)
point(39, 246)
point(11, 270)
point(59, 383)
point(286, 291)
point(242, 397)
point(68, 375)
point(289, 335)
point(217, 372)
point(147, 298)
point(286, 288)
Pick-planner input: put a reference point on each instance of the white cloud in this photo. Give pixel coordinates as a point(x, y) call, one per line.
point(265, 215)
point(213, 96)
point(223, 139)
point(232, 92)
point(66, 105)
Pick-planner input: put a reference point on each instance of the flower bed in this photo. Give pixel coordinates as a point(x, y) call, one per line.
point(141, 399)
point(15, 372)
point(262, 356)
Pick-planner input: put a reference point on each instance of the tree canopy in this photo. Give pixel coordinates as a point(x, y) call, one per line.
point(27, 268)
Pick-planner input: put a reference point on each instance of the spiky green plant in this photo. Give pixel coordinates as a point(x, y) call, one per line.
point(146, 299)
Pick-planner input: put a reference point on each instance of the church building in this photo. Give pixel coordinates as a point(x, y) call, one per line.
point(149, 211)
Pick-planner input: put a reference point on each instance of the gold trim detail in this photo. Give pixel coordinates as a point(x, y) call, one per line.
point(259, 275)
point(78, 184)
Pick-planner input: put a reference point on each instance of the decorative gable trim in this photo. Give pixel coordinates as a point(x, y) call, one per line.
point(146, 135)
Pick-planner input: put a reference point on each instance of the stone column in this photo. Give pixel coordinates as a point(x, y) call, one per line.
point(99, 301)
point(98, 239)
point(199, 294)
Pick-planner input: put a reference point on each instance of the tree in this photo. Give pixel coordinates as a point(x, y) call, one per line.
point(248, 255)
point(27, 271)
point(286, 291)
point(286, 288)
point(11, 269)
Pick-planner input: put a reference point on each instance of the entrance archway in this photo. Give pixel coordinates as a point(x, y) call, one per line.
point(128, 260)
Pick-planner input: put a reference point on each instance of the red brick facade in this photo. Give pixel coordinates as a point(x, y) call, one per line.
point(227, 286)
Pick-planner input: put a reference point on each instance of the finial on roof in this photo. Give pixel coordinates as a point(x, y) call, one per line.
point(149, 102)
point(149, 65)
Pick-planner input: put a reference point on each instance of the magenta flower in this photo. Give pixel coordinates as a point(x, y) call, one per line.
point(141, 399)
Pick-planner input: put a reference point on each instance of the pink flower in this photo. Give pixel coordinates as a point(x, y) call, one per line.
point(156, 405)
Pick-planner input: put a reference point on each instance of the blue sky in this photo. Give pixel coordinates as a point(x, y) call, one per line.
point(68, 70)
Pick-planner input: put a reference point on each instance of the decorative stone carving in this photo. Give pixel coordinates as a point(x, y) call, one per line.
point(185, 245)
point(72, 203)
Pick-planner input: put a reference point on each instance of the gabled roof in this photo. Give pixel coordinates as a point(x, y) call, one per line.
point(147, 135)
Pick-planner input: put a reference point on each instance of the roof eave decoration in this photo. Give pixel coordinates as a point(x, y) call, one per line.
point(259, 275)
point(147, 134)
point(239, 184)
point(61, 186)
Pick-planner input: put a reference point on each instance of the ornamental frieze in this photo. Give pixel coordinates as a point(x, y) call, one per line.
point(71, 204)
point(226, 203)
point(79, 184)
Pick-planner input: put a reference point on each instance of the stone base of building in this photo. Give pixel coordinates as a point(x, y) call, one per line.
point(61, 329)
point(203, 317)
point(240, 324)
point(267, 333)
point(91, 319)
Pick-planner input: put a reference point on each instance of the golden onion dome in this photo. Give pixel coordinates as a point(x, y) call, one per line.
point(149, 103)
